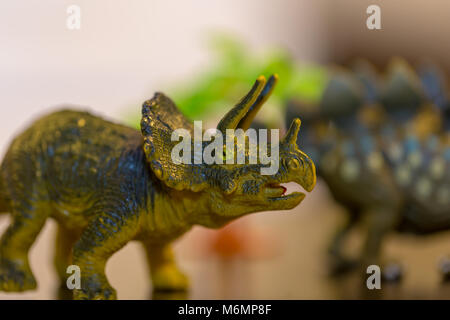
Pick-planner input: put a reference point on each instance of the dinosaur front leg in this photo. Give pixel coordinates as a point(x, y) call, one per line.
point(107, 233)
point(380, 221)
point(340, 263)
point(163, 269)
point(15, 272)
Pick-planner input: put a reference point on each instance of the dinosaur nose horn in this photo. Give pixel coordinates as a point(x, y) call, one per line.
point(291, 135)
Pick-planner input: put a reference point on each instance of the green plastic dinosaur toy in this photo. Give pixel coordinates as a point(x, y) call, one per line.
point(107, 184)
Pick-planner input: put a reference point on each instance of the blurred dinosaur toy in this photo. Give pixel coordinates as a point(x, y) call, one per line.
point(107, 184)
point(391, 168)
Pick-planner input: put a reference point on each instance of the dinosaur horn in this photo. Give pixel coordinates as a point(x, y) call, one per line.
point(234, 116)
point(291, 135)
point(246, 121)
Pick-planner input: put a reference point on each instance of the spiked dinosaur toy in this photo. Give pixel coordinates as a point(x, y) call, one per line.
point(107, 184)
point(383, 150)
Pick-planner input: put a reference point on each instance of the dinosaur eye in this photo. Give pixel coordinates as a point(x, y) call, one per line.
point(230, 187)
point(293, 164)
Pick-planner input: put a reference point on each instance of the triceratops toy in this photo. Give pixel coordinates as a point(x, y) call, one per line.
point(107, 184)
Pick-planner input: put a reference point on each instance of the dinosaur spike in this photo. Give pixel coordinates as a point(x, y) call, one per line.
point(246, 121)
point(291, 135)
point(402, 89)
point(234, 116)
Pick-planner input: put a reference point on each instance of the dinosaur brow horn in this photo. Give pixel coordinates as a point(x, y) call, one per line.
point(246, 121)
point(291, 135)
point(232, 118)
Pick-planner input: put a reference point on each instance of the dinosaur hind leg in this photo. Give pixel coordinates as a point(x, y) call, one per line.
point(27, 221)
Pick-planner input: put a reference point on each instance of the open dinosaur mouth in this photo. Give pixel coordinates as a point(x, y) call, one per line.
point(276, 191)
